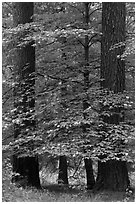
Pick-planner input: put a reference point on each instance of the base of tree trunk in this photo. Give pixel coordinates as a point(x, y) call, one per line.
point(89, 174)
point(63, 174)
point(26, 170)
point(112, 175)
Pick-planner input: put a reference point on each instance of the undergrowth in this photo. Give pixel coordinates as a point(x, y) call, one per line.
point(52, 192)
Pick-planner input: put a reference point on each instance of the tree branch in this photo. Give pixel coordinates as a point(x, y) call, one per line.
point(7, 91)
point(5, 101)
point(77, 168)
point(92, 37)
point(95, 41)
point(80, 42)
point(94, 11)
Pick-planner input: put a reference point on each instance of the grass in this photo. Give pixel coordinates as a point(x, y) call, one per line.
point(55, 193)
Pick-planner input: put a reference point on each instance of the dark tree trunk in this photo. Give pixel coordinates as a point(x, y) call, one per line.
point(88, 162)
point(63, 174)
point(63, 167)
point(24, 96)
point(28, 168)
point(113, 32)
point(89, 174)
point(112, 174)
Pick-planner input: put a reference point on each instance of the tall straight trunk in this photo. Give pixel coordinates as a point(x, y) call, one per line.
point(63, 174)
point(89, 174)
point(88, 162)
point(63, 166)
point(112, 174)
point(24, 96)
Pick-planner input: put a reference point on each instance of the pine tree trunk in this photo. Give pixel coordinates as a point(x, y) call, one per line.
point(88, 162)
point(112, 174)
point(24, 96)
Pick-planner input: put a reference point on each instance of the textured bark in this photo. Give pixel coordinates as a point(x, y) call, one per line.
point(88, 162)
point(112, 175)
point(63, 174)
point(113, 32)
point(27, 167)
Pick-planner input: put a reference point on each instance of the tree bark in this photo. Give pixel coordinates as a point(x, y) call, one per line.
point(63, 174)
point(24, 96)
point(88, 162)
point(112, 174)
point(63, 167)
point(89, 174)
point(113, 33)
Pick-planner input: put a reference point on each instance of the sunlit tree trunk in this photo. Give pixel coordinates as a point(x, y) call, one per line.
point(24, 96)
point(112, 174)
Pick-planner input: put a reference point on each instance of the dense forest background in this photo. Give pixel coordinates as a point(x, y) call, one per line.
point(68, 100)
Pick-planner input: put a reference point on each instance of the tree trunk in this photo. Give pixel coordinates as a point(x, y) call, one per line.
point(113, 33)
point(63, 167)
point(88, 162)
point(112, 174)
point(28, 168)
point(24, 97)
point(89, 174)
point(63, 174)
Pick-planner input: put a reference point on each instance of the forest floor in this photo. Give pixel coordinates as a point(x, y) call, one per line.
point(55, 193)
